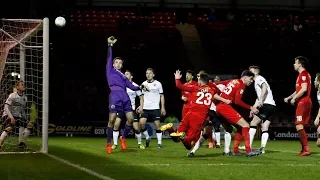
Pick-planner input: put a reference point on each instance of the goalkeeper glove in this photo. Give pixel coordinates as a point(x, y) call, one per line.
point(143, 87)
point(111, 40)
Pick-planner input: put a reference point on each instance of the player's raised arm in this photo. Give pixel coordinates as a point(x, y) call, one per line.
point(181, 86)
point(111, 42)
point(131, 86)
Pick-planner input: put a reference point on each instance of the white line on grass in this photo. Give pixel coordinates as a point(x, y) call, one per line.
point(218, 164)
point(93, 173)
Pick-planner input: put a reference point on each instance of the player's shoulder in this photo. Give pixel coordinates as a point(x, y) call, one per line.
point(13, 95)
point(260, 79)
point(304, 75)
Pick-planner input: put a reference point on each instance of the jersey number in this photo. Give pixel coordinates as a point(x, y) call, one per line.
point(204, 98)
point(229, 88)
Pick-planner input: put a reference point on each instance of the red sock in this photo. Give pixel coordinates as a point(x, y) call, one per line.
point(246, 137)
point(236, 143)
point(303, 139)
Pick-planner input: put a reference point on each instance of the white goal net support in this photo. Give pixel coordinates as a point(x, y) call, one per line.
point(24, 55)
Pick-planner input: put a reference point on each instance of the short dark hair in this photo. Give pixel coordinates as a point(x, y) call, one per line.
point(302, 60)
point(18, 83)
point(150, 69)
point(204, 78)
point(190, 72)
point(117, 58)
point(203, 71)
point(247, 73)
point(129, 72)
point(257, 68)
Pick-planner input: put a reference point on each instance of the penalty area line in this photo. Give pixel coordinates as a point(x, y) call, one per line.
point(77, 166)
point(218, 164)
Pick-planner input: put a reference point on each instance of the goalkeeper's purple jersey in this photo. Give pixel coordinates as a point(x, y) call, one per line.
point(116, 79)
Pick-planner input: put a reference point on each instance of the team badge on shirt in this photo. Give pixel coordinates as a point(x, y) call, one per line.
point(304, 78)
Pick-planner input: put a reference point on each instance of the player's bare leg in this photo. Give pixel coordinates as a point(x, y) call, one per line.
point(144, 130)
point(112, 119)
point(115, 133)
point(245, 135)
point(211, 137)
point(305, 151)
point(159, 133)
point(265, 135)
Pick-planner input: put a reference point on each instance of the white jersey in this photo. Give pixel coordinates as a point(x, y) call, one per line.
point(132, 95)
point(221, 88)
point(318, 96)
point(17, 104)
point(259, 80)
point(152, 96)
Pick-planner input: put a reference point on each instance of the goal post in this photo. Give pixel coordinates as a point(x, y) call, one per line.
point(24, 55)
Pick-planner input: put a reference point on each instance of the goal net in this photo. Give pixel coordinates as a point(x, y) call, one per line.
point(24, 56)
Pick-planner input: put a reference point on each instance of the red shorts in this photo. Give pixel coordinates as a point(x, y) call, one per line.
point(185, 110)
point(227, 112)
point(303, 112)
point(192, 126)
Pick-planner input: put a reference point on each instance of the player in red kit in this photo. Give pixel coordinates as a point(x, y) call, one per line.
point(301, 97)
point(233, 91)
point(201, 98)
point(185, 94)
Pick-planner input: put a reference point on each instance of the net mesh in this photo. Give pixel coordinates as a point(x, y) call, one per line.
point(21, 59)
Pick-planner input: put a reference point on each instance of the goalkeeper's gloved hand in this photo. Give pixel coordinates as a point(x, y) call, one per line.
point(111, 40)
point(143, 87)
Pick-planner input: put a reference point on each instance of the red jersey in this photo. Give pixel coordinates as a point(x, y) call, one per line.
point(214, 87)
point(187, 93)
point(201, 98)
point(304, 77)
point(233, 91)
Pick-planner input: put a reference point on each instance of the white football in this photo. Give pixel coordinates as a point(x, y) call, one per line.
point(60, 21)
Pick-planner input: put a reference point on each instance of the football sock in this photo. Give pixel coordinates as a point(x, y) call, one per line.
point(145, 133)
point(139, 138)
point(126, 131)
point(264, 138)
point(21, 129)
point(3, 137)
point(217, 134)
point(246, 137)
point(252, 133)
point(159, 136)
point(303, 139)
point(26, 134)
point(198, 144)
point(109, 135)
point(115, 137)
point(227, 142)
point(237, 140)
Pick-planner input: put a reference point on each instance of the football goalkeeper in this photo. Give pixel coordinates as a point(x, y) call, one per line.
point(119, 100)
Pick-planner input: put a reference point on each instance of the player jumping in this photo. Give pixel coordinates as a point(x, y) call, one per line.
point(119, 100)
point(301, 97)
point(316, 121)
point(132, 95)
point(14, 115)
point(185, 94)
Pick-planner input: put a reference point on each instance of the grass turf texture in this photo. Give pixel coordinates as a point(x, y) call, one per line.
point(279, 162)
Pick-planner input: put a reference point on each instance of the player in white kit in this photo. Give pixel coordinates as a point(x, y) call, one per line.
point(14, 115)
point(267, 108)
point(132, 95)
point(316, 121)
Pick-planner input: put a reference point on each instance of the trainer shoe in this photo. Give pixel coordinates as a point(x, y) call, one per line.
point(227, 154)
point(109, 148)
point(148, 142)
point(178, 134)
point(123, 143)
point(141, 146)
point(166, 127)
point(218, 146)
point(262, 150)
point(252, 153)
point(22, 145)
point(159, 146)
point(190, 154)
point(236, 154)
point(114, 147)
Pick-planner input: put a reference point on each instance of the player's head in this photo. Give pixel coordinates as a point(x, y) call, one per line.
point(118, 63)
point(128, 74)
point(247, 77)
point(201, 72)
point(20, 86)
point(217, 79)
point(150, 74)
point(255, 70)
point(300, 62)
point(203, 79)
point(317, 81)
point(189, 75)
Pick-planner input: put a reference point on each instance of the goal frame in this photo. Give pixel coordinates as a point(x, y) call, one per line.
point(45, 79)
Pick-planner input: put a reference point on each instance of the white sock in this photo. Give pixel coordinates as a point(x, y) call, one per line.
point(218, 138)
point(264, 139)
point(146, 134)
point(213, 135)
point(3, 137)
point(115, 135)
point(21, 129)
point(139, 138)
point(26, 134)
point(159, 137)
point(227, 142)
point(252, 133)
point(198, 143)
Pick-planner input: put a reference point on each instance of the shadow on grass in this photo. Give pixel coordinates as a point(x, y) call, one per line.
point(109, 167)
